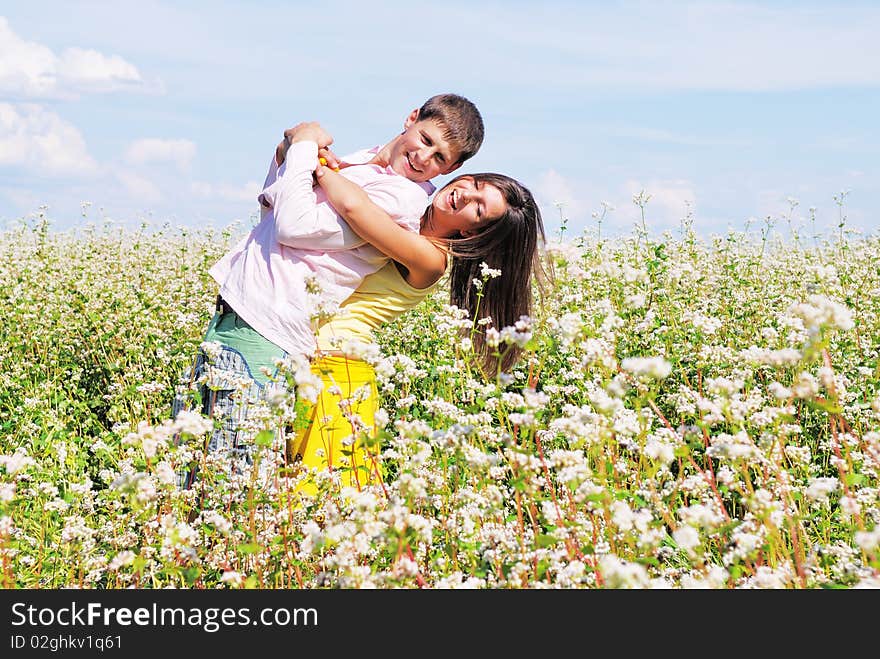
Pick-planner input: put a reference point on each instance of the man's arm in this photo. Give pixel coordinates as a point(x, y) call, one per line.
point(300, 220)
point(327, 157)
point(276, 171)
point(303, 222)
point(271, 178)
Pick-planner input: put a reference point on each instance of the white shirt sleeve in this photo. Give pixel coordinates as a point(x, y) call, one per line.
point(303, 222)
point(273, 174)
point(271, 177)
point(300, 221)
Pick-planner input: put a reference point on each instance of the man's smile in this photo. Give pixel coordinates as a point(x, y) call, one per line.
point(410, 163)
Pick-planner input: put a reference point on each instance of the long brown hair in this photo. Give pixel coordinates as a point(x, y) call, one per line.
point(509, 244)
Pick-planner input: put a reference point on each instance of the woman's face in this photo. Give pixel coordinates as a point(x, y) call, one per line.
point(464, 206)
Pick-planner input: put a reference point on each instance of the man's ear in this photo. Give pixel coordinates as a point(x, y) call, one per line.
point(453, 168)
point(411, 118)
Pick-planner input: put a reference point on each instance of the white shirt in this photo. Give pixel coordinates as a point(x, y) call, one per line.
point(300, 236)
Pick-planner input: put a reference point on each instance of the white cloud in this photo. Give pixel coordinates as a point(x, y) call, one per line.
point(152, 150)
point(32, 70)
point(89, 70)
point(582, 204)
point(243, 193)
point(554, 190)
point(668, 204)
point(139, 187)
point(26, 68)
point(41, 141)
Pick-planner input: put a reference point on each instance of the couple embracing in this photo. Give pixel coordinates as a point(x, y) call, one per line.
point(343, 246)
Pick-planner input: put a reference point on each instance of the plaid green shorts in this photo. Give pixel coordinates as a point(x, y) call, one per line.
point(227, 386)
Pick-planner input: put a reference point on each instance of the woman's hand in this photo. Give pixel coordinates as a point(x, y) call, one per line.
point(327, 158)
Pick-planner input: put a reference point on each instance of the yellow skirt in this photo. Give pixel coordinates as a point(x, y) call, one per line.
point(339, 433)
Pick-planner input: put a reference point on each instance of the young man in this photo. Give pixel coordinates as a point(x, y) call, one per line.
point(302, 260)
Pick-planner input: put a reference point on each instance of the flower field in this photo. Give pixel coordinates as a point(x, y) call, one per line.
point(688, 413)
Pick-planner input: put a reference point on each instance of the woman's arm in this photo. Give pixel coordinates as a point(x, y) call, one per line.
point(424, 260)
point(301, 221)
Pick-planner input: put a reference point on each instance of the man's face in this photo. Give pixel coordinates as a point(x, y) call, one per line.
point(421, 152)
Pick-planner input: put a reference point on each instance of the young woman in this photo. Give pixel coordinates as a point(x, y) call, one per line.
point(475, 219)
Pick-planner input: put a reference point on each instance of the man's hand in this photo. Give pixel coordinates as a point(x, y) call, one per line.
point(307, 131)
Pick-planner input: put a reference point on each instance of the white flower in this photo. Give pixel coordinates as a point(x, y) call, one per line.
point(778, 391)
point(849, 506)
point(805, 386)
point(687, 538)
point(706, 324)
point(716, 578)
point(192, 423)
point(649, 367)
point(233, 578)
point(820, 488)
point(660, 449)
point(820, 311)
point(17, 461)
point(121, 559)
point(635, 301)
point(488, 273)
point(165, 473)
point(212, 349)
point(869, 541)
point(622, 574)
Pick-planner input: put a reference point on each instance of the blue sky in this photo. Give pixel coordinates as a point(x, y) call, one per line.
point(169, 111)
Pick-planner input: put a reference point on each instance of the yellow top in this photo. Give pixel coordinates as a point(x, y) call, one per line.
point(381, 297)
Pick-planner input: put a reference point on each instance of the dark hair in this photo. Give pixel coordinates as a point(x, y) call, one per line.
point(509, 244)
point(461, 120)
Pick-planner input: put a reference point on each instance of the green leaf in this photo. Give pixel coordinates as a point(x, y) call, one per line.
point(855, 479)
point(544, 540)
point(249, 548)
point(264, 438)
